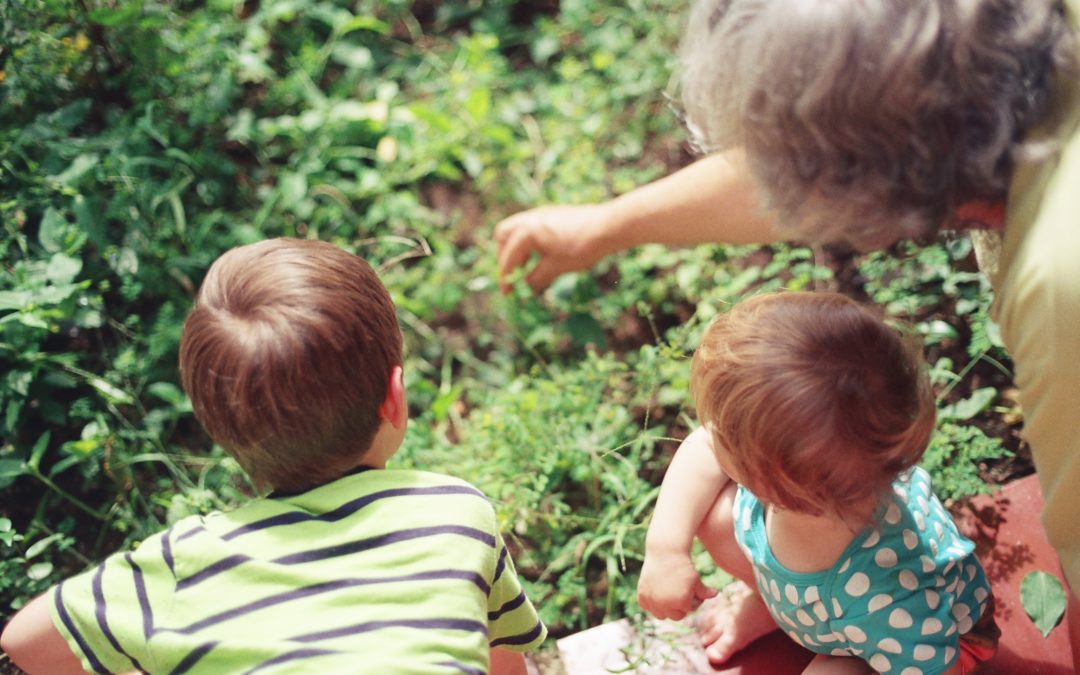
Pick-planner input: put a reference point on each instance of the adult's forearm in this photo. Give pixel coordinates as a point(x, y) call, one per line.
point(711, 200)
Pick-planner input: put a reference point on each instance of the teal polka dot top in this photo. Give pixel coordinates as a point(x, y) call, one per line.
point(899, 596)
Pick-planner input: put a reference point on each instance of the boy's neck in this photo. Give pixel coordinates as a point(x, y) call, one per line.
point(284, 494)
point(386, 442)
point(384, 445)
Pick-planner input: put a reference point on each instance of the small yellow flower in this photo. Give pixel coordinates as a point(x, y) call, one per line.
point(81, 42)
point(387, 149)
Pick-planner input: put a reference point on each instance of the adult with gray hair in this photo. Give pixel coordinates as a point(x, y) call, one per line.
point(870, 121)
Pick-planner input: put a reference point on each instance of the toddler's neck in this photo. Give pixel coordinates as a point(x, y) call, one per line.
point(813, 543)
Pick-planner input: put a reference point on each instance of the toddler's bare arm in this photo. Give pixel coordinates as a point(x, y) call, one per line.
point(669, 584)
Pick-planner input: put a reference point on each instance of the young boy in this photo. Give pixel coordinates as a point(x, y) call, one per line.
point(292, 359)
point(802, 483)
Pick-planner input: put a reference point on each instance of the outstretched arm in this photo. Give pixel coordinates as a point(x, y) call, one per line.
point(34, 644)
point(712, 200)
point(669, 584)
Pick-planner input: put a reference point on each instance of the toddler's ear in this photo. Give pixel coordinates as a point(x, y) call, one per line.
point(394, 409)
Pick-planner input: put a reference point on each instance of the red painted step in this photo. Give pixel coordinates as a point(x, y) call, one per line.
point(1010, 541)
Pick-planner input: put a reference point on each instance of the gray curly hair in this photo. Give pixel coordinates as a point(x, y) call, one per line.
point(869, 121)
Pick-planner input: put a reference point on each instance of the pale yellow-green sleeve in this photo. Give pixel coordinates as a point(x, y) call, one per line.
point(512, 620)
point(107, 614)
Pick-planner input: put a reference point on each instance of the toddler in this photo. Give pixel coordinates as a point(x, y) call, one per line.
point(802, 483)
point(292, 359)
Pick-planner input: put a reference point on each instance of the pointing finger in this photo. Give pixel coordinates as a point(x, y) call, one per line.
point(507, 225)
point(513, 253)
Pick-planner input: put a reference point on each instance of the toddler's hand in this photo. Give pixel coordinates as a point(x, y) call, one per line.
point(669, 586)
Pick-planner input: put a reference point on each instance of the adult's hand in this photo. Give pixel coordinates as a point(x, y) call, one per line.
point(711, 200)
point(567, 239)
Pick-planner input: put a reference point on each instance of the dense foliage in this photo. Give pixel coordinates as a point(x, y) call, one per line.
point(139, 139)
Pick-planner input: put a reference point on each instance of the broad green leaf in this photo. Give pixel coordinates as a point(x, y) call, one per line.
point(67, 462)
point(39, 546)
point(19, 381)
point(993, 333)
point(352, 56)
point(293, 187)
point(472, 162)
point(86, 317)
point(168, 392)
point(78, 168)
point(602, 60)
point(1044, 600)
point(54, 295)
point(478, 103)
point(125, 262)
point(937, 330)
point(32, 321)
point(111, 392)
point(354, 111)
point(585, 329)
point(311, 121)
point(440, 407)
point(11, 414)
point(242, 126)
point(39, 571)
point(52, 229)
point(364, 23)
point(253, 68)
point(90, 219)
point(62, 268)
point(10, 469)
point(544, 48)
point(79, 449)
point(14, 299)
point(40, 447)
point(969, 407)
point(92, 430)
point(7, 533)
point(59, 380)
point(179, 215)
point(72, 115)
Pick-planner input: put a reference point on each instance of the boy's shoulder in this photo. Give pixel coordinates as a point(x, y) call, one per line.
point(413, 480)
point(421, 477)
point(375, 501)
point(408, 489)
point(362, 487)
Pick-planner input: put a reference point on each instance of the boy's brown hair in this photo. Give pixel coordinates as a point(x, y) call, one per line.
point(286, 357)
point(819, 403)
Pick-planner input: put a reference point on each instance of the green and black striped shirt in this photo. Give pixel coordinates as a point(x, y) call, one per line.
point(383, 571)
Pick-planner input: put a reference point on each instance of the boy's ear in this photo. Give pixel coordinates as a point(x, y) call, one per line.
point(394, 408)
